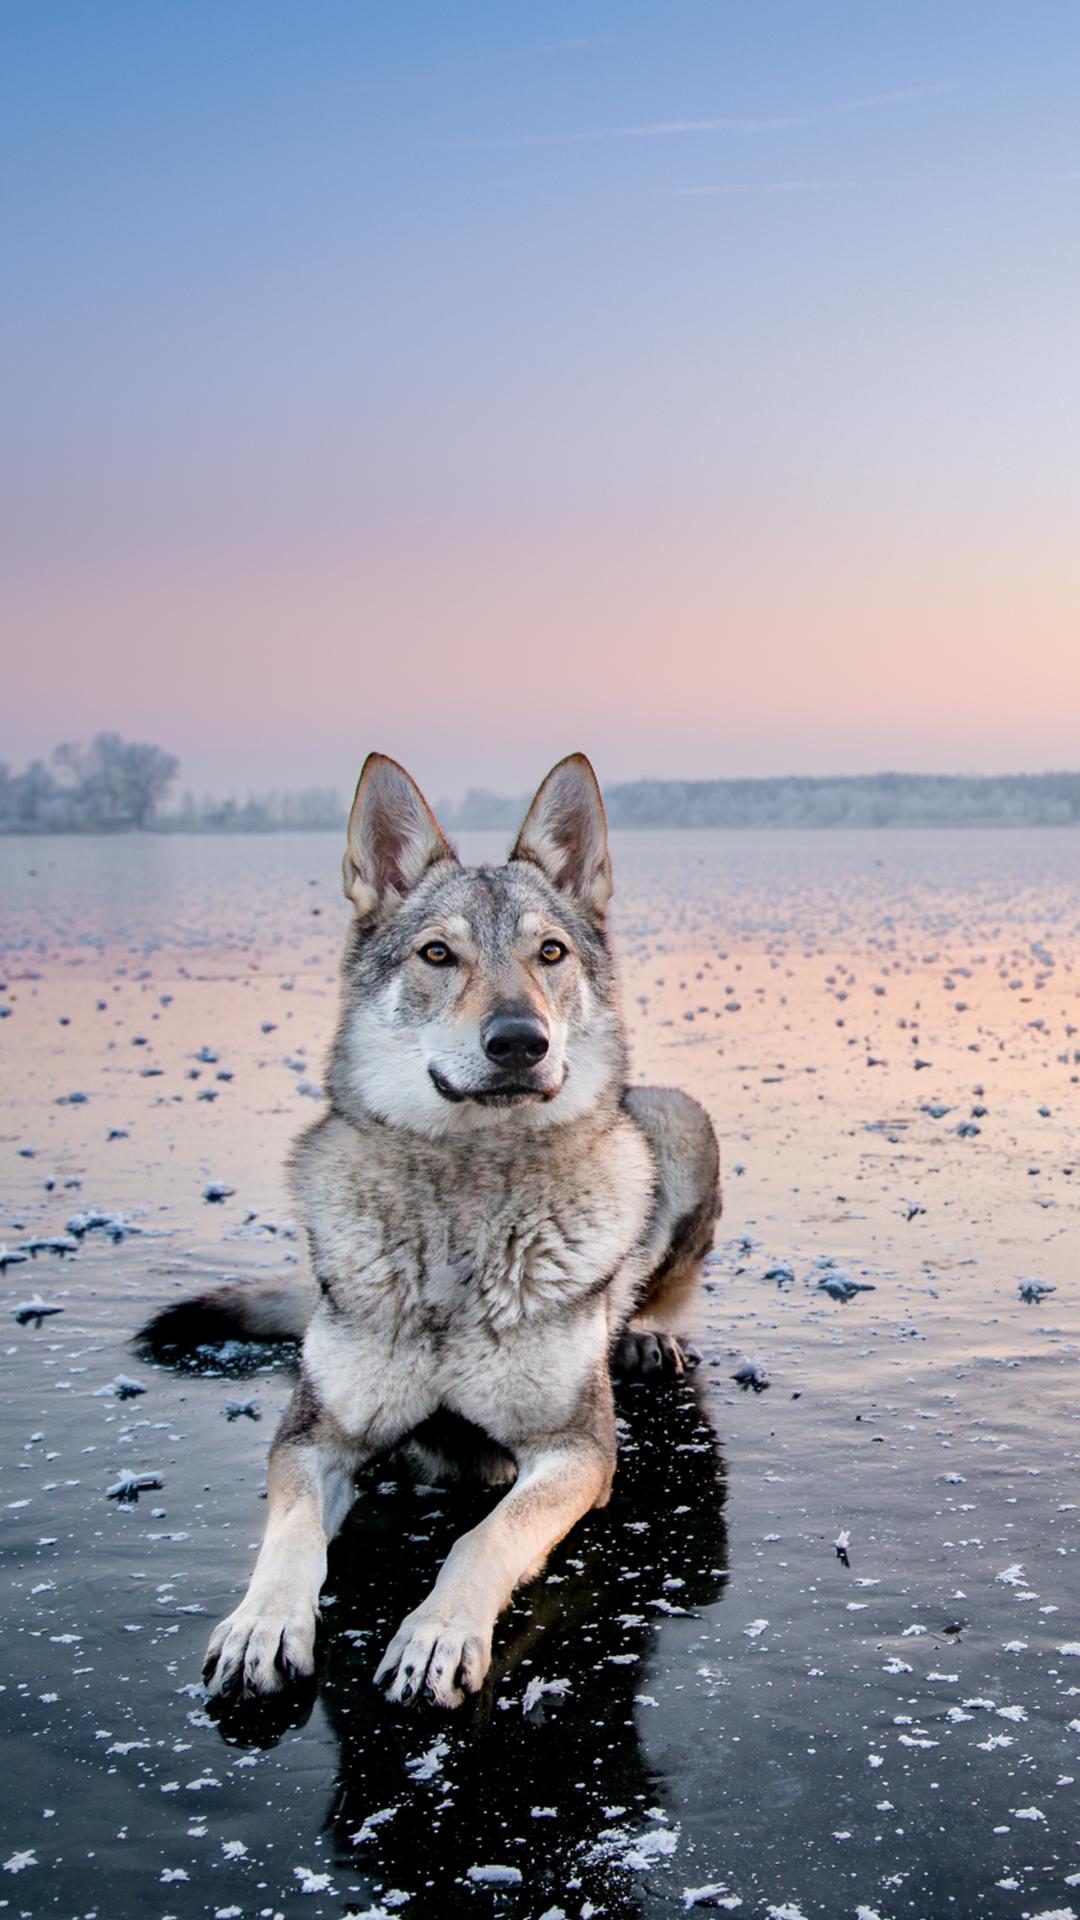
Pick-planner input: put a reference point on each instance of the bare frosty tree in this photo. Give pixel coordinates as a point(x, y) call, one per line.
point(115, 782)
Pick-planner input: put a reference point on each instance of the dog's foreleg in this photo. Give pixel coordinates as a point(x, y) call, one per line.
point(270, 1638)
point(445, 1645)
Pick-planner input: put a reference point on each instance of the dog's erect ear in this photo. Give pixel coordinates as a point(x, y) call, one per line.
point(565, 834)
point(393, 838)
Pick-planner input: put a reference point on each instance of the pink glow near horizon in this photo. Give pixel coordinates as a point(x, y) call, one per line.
point(481, 665)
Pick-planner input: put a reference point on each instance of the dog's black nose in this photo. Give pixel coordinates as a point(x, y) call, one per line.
point(514, 1040)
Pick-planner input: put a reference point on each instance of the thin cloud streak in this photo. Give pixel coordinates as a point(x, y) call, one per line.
point(657, 130)
point(666, 129)
point(747, 186)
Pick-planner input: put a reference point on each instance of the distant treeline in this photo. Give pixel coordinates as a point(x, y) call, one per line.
point(273, 812)
point(859, 800)
point(115, 784)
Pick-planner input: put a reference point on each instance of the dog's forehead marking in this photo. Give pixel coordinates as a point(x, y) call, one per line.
point(488, 901)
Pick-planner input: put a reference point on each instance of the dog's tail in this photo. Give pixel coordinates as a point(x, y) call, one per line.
point(238, 1310)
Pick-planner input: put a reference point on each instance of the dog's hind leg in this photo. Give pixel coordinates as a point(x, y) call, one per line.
point(685, 1155)
point(648, 1345)
point(270, 1638)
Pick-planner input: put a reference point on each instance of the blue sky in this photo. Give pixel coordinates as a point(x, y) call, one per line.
point(693, 383)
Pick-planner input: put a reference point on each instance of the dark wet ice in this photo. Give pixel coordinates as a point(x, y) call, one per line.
point(703, 1704)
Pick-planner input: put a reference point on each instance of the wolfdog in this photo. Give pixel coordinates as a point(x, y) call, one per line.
point(496, 1222)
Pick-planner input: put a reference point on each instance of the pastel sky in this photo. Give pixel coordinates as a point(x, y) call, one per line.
point(697, 383)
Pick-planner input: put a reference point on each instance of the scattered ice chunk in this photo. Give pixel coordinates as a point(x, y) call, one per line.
point(313, 1882)
point(1033, 1290)
point(17, 1862)
point(428, 1764)
point(751, 1373)
point(536, 1690)
point(36, 1310)
point(841, 1286)
point(129, 1486)
point(637, 1852)
point(122, 1388)
point(373, 1821)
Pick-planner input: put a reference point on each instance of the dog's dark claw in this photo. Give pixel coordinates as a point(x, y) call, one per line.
point(286, 1666)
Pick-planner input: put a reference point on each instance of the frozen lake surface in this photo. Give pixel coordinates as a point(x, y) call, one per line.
point(706, 1703)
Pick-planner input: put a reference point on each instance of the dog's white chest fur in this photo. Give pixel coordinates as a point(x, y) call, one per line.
point(448, 1239)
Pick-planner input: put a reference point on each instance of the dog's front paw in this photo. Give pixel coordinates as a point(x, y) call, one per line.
point(263, 1646)
point(445, 1652)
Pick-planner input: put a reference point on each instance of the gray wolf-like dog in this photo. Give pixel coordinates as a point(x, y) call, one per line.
point(496, 1222)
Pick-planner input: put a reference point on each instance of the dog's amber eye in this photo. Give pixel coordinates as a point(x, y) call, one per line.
point(437, 954)
point(552, 952)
